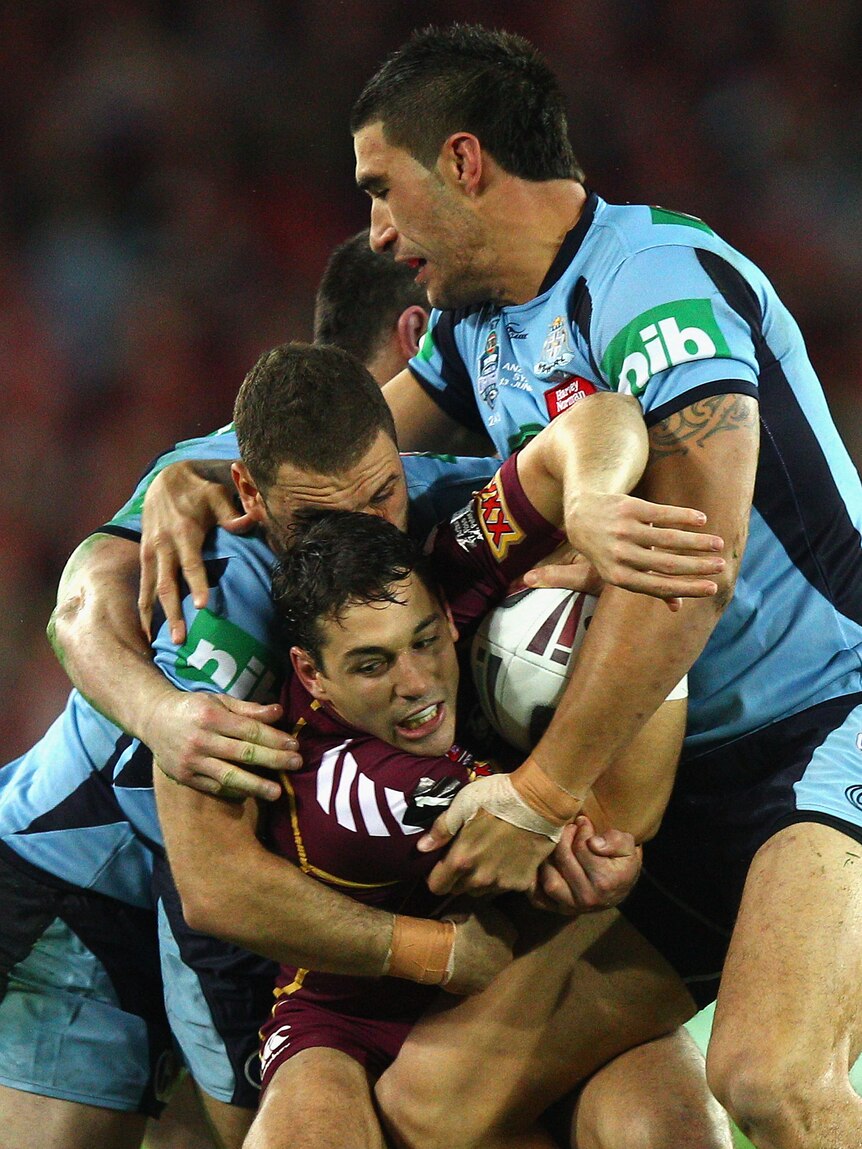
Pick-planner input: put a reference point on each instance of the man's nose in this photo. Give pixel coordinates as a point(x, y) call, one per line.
point(383, 233)
point(412, 679)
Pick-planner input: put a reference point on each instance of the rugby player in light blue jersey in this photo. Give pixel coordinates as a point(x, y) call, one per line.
point(545, 294)
point(79, 831)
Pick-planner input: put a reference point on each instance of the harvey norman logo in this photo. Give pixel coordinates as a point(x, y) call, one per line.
point(663, 337)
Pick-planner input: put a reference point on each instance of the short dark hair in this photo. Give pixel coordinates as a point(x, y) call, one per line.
point(467, 78)
point(360, 297)
point(338, 559)
point(317, 408)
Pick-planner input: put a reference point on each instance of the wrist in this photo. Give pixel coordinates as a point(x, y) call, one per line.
point(420, 950)
point(545, 797)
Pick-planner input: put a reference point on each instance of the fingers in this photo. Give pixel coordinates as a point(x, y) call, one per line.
point(437, 837)
point(579, 575)
point(226, 781)
point(490, 857)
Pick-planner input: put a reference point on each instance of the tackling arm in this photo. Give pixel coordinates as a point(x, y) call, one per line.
point(263, 903)
point(423, 426)
point(635, 650)
point(200, 737)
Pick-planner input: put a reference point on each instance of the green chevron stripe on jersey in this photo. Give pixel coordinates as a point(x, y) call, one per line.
point(661, 215)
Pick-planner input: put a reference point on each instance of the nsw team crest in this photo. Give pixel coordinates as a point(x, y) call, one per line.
point(556, 350)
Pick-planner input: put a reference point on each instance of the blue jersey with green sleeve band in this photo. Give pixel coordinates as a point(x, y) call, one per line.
point(653, 303)
point(79, 804)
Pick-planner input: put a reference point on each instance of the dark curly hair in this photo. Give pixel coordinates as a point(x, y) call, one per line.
point(335, 560)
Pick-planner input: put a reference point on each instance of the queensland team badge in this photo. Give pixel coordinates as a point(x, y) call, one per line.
point(496, 522)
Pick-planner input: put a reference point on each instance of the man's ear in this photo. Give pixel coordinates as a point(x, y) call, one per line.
point(306, 671)
point(462, 162)
point(410, 328)
point(453, 629)
point(250, 496)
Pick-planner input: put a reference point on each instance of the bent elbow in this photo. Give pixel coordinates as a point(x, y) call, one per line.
point(203, 910)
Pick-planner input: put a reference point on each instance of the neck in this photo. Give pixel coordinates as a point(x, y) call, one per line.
point(529, 222)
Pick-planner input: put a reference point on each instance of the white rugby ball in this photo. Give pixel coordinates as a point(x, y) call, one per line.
point(522, 657)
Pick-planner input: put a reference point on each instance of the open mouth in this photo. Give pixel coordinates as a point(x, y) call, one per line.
point(423, 722)
point(417, 265)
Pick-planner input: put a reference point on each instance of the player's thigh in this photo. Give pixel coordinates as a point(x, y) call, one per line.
point(81, 1011)
point(183, 1124)
point(588, 990)
point(789, 999)
point(29, 1119)
point(653, 1096)
point(318, 1099)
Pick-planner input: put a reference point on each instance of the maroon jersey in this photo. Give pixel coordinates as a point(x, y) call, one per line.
point(351, 816)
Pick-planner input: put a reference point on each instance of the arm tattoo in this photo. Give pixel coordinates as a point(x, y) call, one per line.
point(699, 422)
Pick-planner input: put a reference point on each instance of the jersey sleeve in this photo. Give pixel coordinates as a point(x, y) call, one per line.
point(666, 330)
point(440, 485)
point(491, 542)
point(232, 644)
point(221, 445)
point(441, 372)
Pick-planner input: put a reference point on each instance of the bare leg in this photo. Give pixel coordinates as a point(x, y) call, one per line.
point(31, 1119)
point(487, 1066)
point(788, 1023)
point(319, 1099)
point(652, 1097)
point(229, 1124)
point(183, 1124)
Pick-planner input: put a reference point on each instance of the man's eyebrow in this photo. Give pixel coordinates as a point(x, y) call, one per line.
point(364, 651)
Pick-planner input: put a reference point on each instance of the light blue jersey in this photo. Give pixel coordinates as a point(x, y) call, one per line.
point(653, 303)
point(79, 804)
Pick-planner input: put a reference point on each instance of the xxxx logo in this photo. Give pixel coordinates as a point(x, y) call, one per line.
point(663, 337)
point(853, 794)
point(496, 522)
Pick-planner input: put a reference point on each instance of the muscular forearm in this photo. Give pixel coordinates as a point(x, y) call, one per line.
point(620, 681)
point(635, 652)
point(96, 633)
point(260, 901)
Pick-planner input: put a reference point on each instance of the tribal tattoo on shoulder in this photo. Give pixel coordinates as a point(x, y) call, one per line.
point(692, 426)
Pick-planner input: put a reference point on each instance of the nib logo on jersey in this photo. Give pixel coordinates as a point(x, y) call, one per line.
point(219, 652)
point(663, 337)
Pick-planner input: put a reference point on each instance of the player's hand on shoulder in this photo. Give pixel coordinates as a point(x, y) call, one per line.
point(484, 941)
point(182, 504)
point(212, 742)
point(588, 872)
point(650, 548)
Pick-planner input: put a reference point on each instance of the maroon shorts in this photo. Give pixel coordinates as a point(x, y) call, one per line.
point(295, 1025)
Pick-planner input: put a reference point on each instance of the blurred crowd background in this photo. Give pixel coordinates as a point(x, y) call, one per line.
point(174, 173)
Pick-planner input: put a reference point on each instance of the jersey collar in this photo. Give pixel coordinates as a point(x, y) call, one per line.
point(571, 243)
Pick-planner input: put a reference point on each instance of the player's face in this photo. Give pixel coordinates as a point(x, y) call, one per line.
point(423, 222)
point(375, 485)
point(391, 669)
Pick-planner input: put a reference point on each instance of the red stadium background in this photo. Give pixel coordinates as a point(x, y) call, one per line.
point(175, 173)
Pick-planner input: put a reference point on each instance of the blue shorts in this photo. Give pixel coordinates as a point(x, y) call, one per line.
point(217, 998)
point(81, 1010)
point(725, 805)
